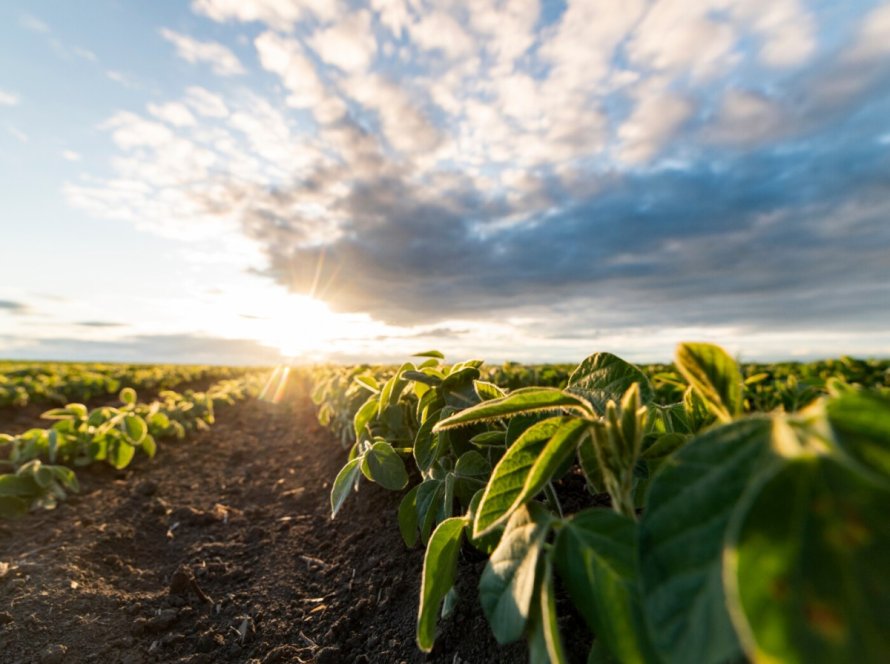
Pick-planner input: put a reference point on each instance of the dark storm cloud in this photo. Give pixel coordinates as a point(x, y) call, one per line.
point(795, 234)
point(174, 348)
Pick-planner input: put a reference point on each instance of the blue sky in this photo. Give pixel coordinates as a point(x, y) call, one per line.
point(228, 180)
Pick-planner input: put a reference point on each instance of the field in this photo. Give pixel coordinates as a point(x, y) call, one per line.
point(695, 512)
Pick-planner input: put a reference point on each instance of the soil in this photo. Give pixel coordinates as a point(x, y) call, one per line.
point(222, 549)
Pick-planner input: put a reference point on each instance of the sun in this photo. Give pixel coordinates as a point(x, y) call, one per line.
point(297, 325)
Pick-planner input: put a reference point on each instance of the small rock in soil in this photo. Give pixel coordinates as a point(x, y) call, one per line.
point(53, 654)
point(146, 488)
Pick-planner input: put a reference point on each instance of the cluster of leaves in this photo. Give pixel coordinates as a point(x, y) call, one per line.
point(61, 382)
point(728, 535)
point(41, 461)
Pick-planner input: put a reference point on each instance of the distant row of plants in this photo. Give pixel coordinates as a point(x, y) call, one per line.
point(59, 383)
point(41, 463)
point(746, 507)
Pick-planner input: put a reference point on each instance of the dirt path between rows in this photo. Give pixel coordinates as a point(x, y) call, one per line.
point(221, 549)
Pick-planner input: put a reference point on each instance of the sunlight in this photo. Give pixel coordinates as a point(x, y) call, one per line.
point(296, 325)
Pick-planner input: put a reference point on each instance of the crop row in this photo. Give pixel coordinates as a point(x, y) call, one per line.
point(729, 533)
point(41, 462)
point(60, 383)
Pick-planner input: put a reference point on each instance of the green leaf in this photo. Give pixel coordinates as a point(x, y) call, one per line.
point(595, 556)
point(149, 446)
point(428, 445)
point(408, 517)
point(135, 429)
point(603, 377)
point(509, 476)
point(343, 484)
point(383, 465)
point(486, 391)
point(525, 400)
point(807, 568)
point(689, 504)
point(430, 353)
point(368, 382)
point(471, 464)
point(18, 485)
point(458, 387)
point(714, 375)
point(364, 415)
point(128, 396)
point(429, 500)
point(665, 445)
point(590, 464)
point(489, 438)
point(508, 582)
point(421, 377)
point(120, 453)
point(439, 567)
point(12, 507)
point(861, 425)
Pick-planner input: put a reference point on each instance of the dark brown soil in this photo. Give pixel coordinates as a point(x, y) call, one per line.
point(222, 549)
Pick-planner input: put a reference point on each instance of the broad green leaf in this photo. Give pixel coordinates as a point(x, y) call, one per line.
point(149, 446)
point(525, 400)
point(392, 389)
point(66, 477)
point(559, 448)
point(428, 445)
point(508, 583)
point(714, 375)
point(689, 504)
point(408, 517)
point(861, 425)
point(343, 484)
point(458, 387)
point(439, 567)
point(120, 453)
point(18, 485)
point(77, 409)
point(603, 377)
point(486, 391)
point(509, 476)
point(664, 445)
point(383, 465)
point(368, 382)
point(57, 414)
point(471, 464)
point(12, 507)
point(128, 396)
point(135, 429)
point(487, 543)
point(596, 558)
point(807, 568)
point(421, 377)
point(489, 438)
point(431, 353)
point(429, 500)
point(364, 415)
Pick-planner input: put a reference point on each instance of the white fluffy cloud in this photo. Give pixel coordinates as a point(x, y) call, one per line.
point(220, 58)
point(8, 98)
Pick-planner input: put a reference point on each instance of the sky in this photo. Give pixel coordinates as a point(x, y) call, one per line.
point(241, 181)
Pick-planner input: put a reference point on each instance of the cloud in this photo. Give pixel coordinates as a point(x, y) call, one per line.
point(14, 308)
point(70, 155)
point(34, 24)
point(606, 168)
point(348, 44)
point(123, 79)
point(99, 324)
point(220, 58)
point(9, 98)
point(176, 114)
point(172, 348)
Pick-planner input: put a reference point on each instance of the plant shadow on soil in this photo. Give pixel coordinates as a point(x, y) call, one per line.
point(222, 549)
